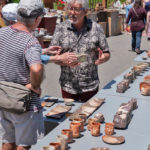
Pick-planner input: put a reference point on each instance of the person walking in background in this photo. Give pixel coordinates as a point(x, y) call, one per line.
point(146, 5)
point(137, 15)
point(81, 36)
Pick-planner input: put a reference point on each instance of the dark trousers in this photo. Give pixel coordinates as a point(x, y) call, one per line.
point(136, 39)
point(80, 97)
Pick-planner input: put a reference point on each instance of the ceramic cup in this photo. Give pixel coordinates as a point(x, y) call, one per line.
point(75, 127)
point(90, 121)
point(62, 139)
point(83, 116)
point(95, 128)
point(81, 121)
point(68, 133)
point(109, 128)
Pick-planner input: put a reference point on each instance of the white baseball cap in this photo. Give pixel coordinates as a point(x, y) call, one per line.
point(9, 11)
point(31, 5)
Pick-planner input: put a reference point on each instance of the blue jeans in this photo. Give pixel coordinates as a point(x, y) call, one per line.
point(136, 39)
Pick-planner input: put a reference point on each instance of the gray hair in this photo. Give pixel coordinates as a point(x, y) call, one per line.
point(28, 20)
point(84, 3)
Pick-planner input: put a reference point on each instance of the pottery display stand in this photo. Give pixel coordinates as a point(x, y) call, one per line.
point(136, 134)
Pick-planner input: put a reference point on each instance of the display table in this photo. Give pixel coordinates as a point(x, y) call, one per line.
point(137, 135)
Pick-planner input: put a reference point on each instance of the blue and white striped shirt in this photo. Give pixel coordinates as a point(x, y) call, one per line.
point(18, 51)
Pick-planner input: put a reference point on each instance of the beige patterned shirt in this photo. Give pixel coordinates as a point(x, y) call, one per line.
point(84, 77)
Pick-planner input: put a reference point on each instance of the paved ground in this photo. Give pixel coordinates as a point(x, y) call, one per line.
point(121, 59)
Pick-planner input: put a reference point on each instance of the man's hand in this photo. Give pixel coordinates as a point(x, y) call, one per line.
point(55, 50)
point(37, 91)
point(68, 59)
point(103, 57)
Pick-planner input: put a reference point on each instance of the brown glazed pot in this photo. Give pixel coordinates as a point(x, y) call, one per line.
point(75, 127)
point(68, 133)
point(109, 128)
point(95, 128)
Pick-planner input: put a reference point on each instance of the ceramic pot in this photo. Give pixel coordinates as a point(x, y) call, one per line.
point(62, 139)
point(90, 121)
point(95, 128)
point(109, 128)
point(145, 88)
point(83, 116)
point(68, 133)
point(75, 127)
point(81, 121)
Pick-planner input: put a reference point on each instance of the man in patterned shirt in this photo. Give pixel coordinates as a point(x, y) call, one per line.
point(81, 36)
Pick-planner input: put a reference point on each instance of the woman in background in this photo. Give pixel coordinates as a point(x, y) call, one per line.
point(137, 15)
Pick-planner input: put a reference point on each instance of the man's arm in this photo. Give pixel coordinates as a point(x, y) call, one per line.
point(36, 75)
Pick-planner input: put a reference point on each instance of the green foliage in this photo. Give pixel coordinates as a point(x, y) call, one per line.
point(15, 1)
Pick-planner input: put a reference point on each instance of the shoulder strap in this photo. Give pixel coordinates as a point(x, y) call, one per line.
point(135, 12)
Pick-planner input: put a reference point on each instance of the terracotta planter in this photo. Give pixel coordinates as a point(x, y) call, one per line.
point(60, 7)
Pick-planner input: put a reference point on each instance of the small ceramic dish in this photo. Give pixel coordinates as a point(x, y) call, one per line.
point(144, 58)
point(68, 101)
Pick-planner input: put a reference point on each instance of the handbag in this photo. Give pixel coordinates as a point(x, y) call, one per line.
point(14, 97)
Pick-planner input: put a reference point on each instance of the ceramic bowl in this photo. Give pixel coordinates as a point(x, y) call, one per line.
point(68, 101)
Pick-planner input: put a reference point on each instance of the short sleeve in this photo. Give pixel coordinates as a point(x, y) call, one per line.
point(103, 44)
point(33, 54)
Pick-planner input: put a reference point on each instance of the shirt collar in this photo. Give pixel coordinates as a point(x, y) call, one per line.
point(87, 25)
